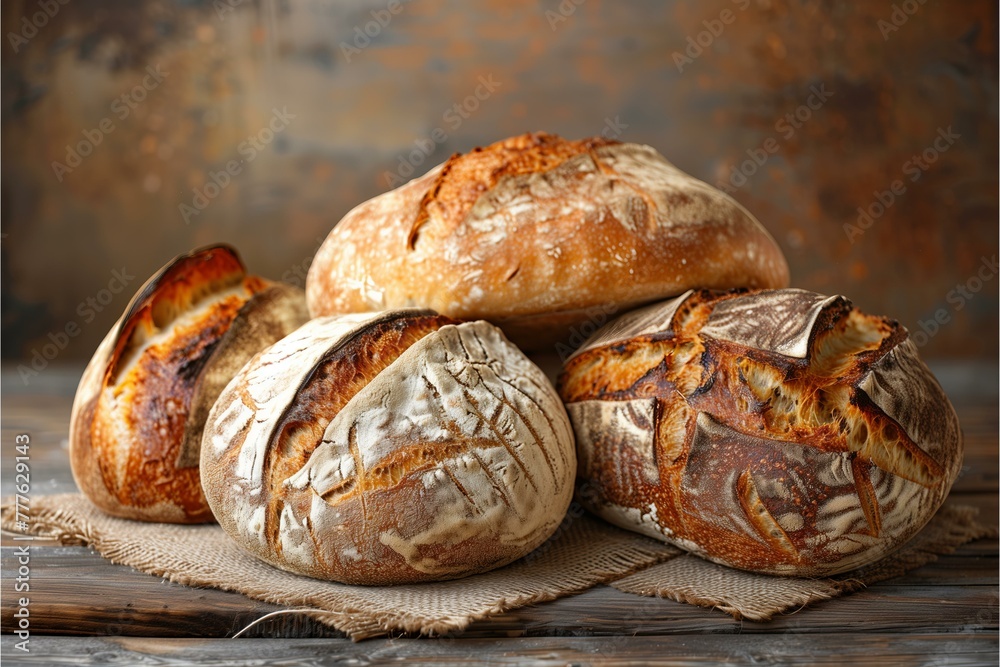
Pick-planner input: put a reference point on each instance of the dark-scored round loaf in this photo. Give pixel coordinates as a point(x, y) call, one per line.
point(534, 232)
point(138, 414)
point(776, 431)
point(389, 448)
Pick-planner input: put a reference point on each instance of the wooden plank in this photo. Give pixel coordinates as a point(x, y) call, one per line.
point(836, 650)
point(980, 426)
point(969, 567)
point(74, 591)
point(985, 502)
point(882, 608)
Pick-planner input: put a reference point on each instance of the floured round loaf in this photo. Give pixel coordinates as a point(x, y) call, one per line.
point(389, 448)
point(538, 235)
point(138, 414)
point(776, 431)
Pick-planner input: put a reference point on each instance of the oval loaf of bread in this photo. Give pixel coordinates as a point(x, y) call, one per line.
point(777, 431)
point(138, 414)
point(389, 448)
point(534, 232)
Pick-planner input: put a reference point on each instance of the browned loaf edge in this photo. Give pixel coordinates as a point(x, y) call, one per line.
point(134, 428)
point(389, 448)
point(777, 431)
point(531, 232)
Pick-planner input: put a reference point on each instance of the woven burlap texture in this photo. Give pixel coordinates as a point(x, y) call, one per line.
point(584, 552)
point(759, 597)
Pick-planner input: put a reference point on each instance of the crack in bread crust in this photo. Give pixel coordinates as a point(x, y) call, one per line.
point(464, 178)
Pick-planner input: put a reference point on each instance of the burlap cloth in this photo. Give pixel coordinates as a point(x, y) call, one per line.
point(584, 552)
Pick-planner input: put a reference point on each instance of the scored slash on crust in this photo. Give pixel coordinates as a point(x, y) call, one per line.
point(463, 178)
point(760, 517)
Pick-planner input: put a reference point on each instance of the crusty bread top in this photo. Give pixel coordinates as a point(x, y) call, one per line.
point(464, 178)
point(389, 448)
point(535, 225)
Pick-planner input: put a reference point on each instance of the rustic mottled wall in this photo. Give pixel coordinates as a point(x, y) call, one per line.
point(806, 111)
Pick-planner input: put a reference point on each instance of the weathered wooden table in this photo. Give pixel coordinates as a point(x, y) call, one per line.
point(84, 609)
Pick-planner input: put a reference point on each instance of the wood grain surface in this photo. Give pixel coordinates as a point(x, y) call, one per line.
point(85, 610)
point(834, 649)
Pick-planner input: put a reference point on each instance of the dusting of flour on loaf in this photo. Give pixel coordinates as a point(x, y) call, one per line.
point(458, 440)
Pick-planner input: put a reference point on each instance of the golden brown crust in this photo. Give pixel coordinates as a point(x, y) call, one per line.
point(130, 435)
point(767, 420)
point(531, 232)
point(463, 179)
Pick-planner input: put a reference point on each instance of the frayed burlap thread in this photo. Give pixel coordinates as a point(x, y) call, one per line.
point(758, 597)
point(584, 552)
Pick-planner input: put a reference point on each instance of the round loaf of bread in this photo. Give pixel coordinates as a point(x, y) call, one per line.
point(535, 232)
point(389, 448)
point(776, 431)
point(141, 405)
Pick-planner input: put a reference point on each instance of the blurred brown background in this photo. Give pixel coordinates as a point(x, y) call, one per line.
point(805, 111)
